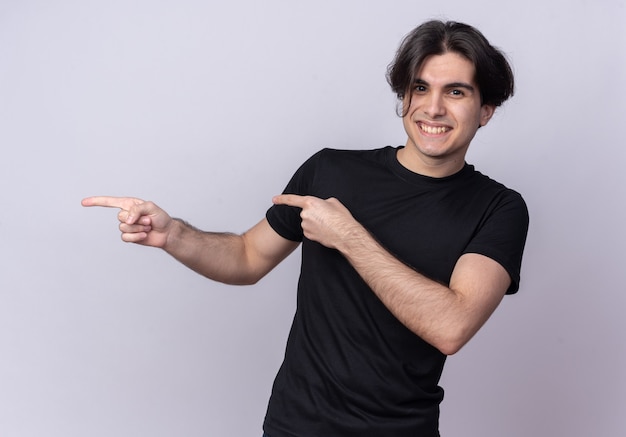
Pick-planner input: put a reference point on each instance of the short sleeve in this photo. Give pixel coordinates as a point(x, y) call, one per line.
point(285, 220)
point(502, 235)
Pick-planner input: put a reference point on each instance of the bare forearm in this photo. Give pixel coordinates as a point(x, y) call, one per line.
point(431, 310)
point(229, 258)
point(445, 316)
point(218, 256)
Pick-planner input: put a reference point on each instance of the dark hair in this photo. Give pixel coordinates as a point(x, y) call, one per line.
point(494, 76)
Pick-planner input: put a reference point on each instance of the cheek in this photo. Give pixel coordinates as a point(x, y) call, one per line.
point(410, 116)
point(471, 116)
point(407, 123)
point(407, 113)
point(408, 106)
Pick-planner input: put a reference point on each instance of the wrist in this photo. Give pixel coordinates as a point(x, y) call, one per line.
point(356, 238)
point(175, 230)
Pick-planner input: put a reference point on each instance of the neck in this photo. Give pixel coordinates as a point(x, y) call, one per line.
point(428, 166)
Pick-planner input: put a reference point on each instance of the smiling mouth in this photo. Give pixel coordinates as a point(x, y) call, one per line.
point(433, 130)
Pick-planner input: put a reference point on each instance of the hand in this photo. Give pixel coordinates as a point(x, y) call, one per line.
point(141, 222)
point(326, 221)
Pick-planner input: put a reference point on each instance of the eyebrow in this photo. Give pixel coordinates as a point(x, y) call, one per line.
point(467, 86)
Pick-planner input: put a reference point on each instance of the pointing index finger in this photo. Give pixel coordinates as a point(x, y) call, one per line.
point(289, 200)
point(111, 202)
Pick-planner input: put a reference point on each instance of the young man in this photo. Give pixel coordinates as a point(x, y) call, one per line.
point(406, 251)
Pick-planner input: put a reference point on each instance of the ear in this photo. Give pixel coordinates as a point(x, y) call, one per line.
point(486, 112)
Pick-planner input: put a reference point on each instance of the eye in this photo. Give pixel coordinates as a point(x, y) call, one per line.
point(457, 92)
point(419, 89)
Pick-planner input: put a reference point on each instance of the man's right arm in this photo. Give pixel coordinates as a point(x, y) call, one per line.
point(224, 257)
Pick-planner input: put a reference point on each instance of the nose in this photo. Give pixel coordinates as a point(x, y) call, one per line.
point(434, 106)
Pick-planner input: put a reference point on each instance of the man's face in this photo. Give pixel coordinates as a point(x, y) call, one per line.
point(444, 113)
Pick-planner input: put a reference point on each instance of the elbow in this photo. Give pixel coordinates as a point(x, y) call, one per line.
point(238, 279)
point(453, 343)
point(450, 338)
point(241, 281)
point(450, 348)
point(252, 280)
point(251, 277)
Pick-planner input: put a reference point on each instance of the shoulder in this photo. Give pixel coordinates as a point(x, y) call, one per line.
point(333, 153)
point(351, 157)
point(483, 185)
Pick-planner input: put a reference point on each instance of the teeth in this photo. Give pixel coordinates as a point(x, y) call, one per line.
point(433, 130)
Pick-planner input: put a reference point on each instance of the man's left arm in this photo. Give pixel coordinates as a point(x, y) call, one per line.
point(447, 317)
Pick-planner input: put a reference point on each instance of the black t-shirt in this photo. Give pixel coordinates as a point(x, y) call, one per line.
point(351, 368)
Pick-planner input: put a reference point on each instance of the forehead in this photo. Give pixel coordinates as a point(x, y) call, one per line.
point(449, 67)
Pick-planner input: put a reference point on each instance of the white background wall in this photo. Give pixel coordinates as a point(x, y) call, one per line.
point(207, 108)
